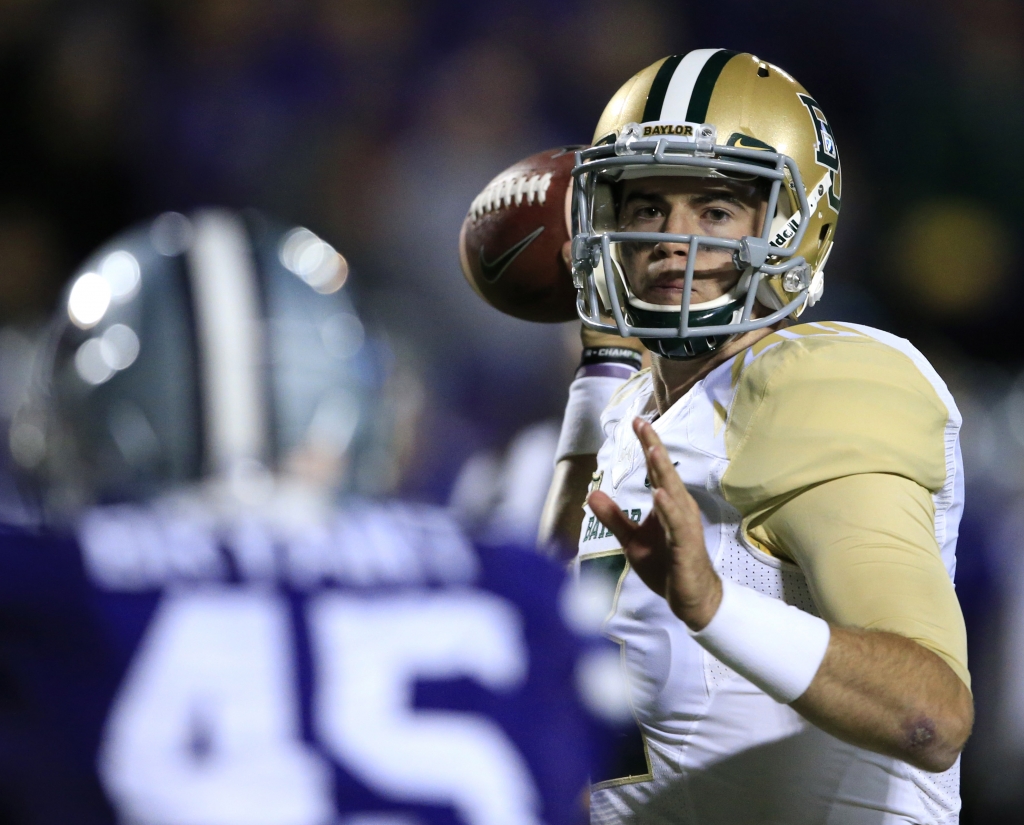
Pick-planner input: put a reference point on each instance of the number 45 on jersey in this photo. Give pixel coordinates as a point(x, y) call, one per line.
point(206, 728)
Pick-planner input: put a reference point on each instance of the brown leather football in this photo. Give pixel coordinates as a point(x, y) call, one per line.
point(511, 242)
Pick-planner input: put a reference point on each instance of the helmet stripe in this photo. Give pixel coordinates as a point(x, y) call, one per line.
point(697, 111)
point(228, 315)
point(680, 86)
point(656, 97)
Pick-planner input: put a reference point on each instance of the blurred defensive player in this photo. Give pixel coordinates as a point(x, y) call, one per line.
point(795, 648)
point(214, 640)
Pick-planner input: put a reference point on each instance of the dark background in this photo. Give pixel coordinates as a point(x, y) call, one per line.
point(375, 122)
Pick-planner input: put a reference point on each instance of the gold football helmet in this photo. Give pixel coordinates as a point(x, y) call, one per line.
point(709, 113)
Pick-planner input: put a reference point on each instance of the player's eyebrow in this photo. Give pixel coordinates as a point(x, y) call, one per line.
point(720, 195)
point(644, 196)
point(701, 199)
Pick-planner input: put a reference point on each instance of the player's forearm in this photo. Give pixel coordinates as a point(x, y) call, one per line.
point(607, 362)
point(874, 689)
point(562, 517)
point(888, 694)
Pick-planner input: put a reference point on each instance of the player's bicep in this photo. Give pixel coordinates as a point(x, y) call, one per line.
point(867, 546)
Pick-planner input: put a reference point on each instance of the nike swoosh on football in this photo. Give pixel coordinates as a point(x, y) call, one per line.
point(490, 271)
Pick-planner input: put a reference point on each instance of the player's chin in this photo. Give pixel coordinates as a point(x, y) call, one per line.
point(700, 293)
point(669, 296)
point(708, 284)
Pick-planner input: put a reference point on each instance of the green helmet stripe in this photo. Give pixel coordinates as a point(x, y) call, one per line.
point(705, 85)
point(656, 97)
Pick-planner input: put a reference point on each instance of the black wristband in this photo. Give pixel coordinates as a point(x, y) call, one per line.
point(611, 355)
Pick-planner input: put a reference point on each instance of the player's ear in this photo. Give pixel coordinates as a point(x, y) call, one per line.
point(567, 254)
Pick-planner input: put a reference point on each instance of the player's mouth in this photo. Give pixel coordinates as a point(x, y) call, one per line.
point(667, 287)
point(667, 291)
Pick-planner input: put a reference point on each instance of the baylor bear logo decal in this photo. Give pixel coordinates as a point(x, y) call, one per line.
point(825, 153)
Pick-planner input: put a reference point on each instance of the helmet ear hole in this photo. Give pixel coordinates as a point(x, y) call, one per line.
point(823, 234)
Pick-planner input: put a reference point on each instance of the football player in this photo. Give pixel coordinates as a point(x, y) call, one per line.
point(213, 638)
point(777, 504)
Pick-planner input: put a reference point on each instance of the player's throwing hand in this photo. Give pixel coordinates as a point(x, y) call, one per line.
point(667, 549)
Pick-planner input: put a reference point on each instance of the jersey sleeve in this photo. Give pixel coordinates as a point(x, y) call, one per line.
point(836, 446)
point(866, 544)
point(815, 408)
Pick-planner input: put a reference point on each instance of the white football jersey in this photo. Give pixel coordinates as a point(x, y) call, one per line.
point(802, 406)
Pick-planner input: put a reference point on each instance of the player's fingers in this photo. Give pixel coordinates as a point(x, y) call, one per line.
point(593, 338)
point(649, 555)
point(660, 471)
point(681, 524)
point(609, 514)
point(643, 432)
point(567, 255)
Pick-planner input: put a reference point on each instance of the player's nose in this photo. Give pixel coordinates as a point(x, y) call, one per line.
point(682, 219)
point(678, 222)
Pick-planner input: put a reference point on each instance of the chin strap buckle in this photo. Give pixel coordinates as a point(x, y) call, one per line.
point(797, 279)
point(753, 252)
point(706, 138)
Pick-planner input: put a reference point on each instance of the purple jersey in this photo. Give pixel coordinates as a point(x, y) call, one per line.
point(376, 669)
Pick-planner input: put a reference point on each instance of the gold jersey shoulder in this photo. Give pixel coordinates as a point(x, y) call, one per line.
point(822, 401)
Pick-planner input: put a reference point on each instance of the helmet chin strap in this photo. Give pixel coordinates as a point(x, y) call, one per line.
point(686, 349)
point(724, 309)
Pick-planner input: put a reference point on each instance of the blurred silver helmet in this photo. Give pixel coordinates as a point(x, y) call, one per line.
point(218, 348)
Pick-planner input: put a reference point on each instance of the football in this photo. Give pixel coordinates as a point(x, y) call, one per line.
point(511, 242)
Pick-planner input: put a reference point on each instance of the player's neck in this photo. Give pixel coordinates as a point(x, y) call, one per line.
point(673, 379)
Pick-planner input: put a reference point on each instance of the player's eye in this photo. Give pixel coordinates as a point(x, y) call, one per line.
point(647, 213)
point(639, 215)
point(717, 215)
